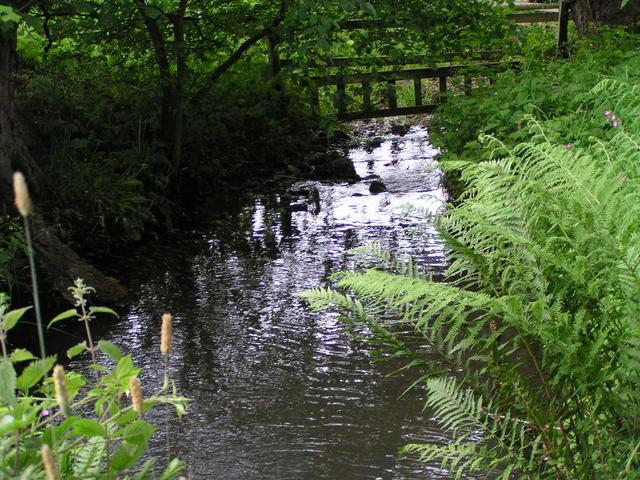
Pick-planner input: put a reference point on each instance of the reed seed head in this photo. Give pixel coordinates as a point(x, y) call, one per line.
point(21, 193)
point(137, 397)
point(166, 338)
point(49, 461)
point(62, 390)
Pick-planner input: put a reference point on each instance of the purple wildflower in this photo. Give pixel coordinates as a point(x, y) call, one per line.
point(569, 146)
point(45, 413)
point(612, 118)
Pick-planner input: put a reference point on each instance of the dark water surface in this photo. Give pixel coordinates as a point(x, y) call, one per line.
point(279, 392)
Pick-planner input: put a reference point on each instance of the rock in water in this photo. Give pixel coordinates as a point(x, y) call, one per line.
point(377, 187)
point(332, 165)
point(400, 129)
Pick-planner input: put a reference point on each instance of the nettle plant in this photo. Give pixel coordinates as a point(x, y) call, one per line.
point(69, 425)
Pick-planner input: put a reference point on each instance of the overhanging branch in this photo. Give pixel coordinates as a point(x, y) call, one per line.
point(240, 51)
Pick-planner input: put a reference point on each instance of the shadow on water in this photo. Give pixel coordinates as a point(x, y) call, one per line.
point(279, 392)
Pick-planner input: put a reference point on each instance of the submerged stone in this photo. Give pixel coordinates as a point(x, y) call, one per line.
point(377, 187)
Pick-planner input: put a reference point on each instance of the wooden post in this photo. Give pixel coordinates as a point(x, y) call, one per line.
point(467, 85)
point(366, 96)
point(342, 97)
point(392, 95)
point(443, 90)
point(315, 96)
point(417, 91)
point(563, 29)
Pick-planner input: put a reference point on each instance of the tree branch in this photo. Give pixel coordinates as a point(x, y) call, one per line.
point(157, 40)
point(237, 55)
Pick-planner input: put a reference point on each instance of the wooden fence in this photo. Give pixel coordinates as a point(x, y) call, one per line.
point(453, 65)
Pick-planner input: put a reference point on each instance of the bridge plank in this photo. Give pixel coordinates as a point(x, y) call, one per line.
point(389, 112)
point(467, 85)
point(484, 55)
point(366, 96)
point(443, 89)
point(342, 97)
point(315, 95)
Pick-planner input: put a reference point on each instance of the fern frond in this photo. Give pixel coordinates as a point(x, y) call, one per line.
point(88, 460)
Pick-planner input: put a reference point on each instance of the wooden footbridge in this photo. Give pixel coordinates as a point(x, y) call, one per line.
point(456, 73)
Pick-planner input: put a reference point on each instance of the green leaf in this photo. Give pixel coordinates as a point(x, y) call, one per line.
point(8, 383)
point(624, 3)
point(8, 424)
point(147, 470)
point(32, 21)
point(87, 427)
point(136, 432)
point(93, 310)
point(88, 459)
point(152, 12)
point(22, 355)
point(63, 316)
point(10, 319)
point(77, 349)
point(135, 436)
point(8, 16)
point(124, 371)
point(173, 469)
point(34, 372)
point(368, 8)
point(111, 349)
point(126, 456)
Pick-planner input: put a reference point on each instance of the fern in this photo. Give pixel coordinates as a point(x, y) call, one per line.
point(88, 459)
point(484, 439)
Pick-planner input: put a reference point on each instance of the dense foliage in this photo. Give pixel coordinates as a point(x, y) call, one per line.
point(531, 354)
point(556, 93)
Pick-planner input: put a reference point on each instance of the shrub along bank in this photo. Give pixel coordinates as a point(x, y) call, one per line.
point(531, 358)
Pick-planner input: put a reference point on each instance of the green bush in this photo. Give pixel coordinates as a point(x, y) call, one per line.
point(555, 92)
point(102, 167)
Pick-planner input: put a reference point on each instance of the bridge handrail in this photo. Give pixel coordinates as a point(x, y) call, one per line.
point(338, 62)
point(407, 74)
point(543, 15)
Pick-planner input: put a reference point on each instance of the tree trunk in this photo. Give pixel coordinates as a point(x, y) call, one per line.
point(13, 154)
point(179, 86)
point(61, 265)
point(590, 14)
point(172, 84)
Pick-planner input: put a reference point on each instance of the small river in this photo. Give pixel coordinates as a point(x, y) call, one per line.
point(278, 392)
